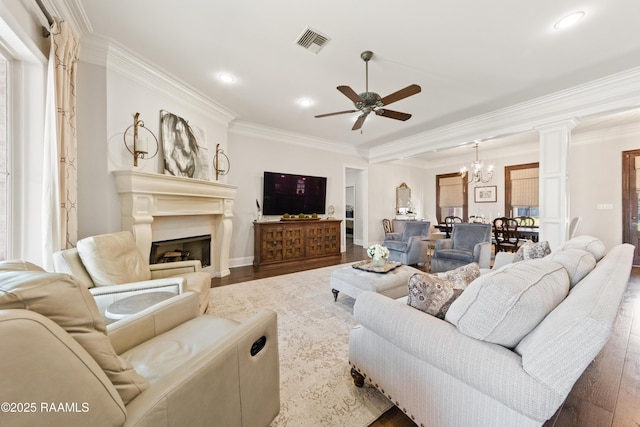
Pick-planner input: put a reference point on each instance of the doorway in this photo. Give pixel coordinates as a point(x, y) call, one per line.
point(355, 202)
point(631, 200)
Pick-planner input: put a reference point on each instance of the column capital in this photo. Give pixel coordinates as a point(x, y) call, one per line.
point(567, 124)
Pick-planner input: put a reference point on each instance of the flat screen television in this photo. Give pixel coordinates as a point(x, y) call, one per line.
point(293, 194)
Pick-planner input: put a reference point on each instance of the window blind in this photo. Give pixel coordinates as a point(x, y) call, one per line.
point(451, 192)
point(524, 187)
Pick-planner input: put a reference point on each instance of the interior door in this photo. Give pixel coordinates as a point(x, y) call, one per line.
point(631, 200)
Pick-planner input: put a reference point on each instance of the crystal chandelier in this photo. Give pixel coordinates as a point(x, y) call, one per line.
point(475, 173)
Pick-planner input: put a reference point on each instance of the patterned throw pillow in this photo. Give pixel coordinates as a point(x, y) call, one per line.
point(532, 250)
point(434, 293)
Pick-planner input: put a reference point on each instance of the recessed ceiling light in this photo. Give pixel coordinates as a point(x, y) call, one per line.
point(226, 78)
point(568, 20)
point(305, 102)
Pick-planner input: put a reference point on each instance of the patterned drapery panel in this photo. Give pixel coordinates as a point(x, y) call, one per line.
point(64, 52)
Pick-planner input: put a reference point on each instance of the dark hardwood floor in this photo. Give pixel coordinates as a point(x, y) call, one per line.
point(243, 274)
point(606, 395)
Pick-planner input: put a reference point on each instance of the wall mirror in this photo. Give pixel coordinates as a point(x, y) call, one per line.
point(403, 199)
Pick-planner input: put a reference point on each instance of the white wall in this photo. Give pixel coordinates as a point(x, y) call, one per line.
point(252, 155)
point(384, 178)
point(107, 100)
point(595, 177)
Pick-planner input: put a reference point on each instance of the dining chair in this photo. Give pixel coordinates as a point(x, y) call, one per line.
point(573, 226)
point(387, 225)
point(525, 221)
point(448, 223)
point(506, 235)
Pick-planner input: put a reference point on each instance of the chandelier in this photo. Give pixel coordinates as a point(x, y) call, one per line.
point(475, 172)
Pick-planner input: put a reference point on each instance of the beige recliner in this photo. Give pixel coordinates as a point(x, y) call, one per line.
point(112, 267)
point(164, 366)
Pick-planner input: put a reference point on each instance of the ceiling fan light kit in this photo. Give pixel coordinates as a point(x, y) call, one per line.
point(370, 102)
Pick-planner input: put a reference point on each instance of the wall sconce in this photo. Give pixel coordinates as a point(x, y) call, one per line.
point(221, 162)
point(140, 143)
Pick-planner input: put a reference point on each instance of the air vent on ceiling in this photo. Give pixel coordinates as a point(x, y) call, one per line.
point(312, 40)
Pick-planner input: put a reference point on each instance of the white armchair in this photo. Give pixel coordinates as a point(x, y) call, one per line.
point(164, 366)
point(112, 267)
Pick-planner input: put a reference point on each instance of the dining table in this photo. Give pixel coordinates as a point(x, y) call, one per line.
point(529, 233)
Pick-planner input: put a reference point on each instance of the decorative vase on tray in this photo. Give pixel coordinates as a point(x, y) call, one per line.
point(378, 254)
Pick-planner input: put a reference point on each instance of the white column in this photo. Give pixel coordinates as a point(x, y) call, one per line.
point(223, 228)
point(553, 181)
point(136, 217)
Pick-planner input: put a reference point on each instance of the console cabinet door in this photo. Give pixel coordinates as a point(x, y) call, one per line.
point(271, 242)
point(332, 238)
point(282, 242)
point(293, 242)
point(315, 240)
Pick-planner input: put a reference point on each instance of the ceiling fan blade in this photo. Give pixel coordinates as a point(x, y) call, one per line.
point(393, 114)
point(336, 113)
point(358, 124)
point(401, 94)
point(350, 93)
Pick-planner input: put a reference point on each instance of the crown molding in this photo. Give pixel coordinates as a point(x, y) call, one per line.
point(597, 136)
point(616, 92)
point(107, 53)
point(244, 128)
point(73, 14)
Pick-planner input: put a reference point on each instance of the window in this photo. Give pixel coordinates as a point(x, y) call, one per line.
point(4, 167)
point(451, 196)
point(521, 190)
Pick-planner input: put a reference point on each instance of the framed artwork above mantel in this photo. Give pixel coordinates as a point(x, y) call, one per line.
point(486, 194)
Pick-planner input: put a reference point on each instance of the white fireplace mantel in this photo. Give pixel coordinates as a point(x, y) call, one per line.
point(144, 196)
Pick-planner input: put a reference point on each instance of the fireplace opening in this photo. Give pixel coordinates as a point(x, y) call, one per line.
point(188, 248)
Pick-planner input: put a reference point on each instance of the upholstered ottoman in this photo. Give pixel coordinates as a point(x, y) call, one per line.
point(353, 281)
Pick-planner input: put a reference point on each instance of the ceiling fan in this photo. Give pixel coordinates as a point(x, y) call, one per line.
point(368, 102)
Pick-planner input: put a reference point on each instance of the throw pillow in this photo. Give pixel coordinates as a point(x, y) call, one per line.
point(113, 259)
point(505, 305)
point(532, 250)
point(586, 243)
point(65, 301)
point(577, 262)
point(434, 293)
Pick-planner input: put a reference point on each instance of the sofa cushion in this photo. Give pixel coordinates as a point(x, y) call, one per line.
point(68, 303)
point(18, 265)
point(113, 259)
point(577, 262)
point(505, 305)
point(586, 243)
point(434, 293)
point(532, 250)
point(457, 254)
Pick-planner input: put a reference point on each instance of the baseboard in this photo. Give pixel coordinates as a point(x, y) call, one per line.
point(240, 262)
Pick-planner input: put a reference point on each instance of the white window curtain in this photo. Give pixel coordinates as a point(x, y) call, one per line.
point(451, 192)
point(60, 221)
point(524, 187)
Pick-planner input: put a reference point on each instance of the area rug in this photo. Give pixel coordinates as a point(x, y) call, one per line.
point(316, 388)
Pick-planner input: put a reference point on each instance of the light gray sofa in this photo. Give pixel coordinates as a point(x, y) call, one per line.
point(456, 372)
